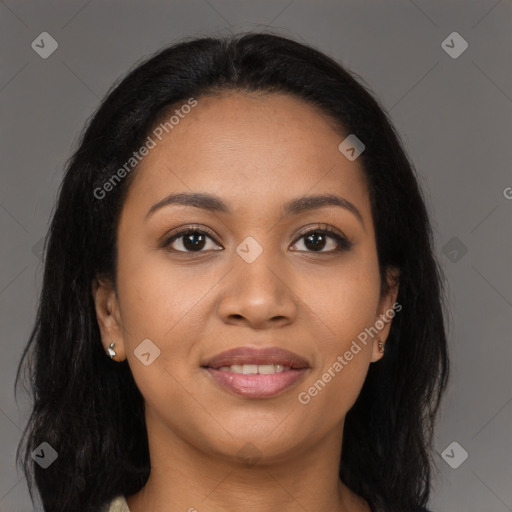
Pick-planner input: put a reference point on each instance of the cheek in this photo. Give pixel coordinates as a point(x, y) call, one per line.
point(345, 304)
point(158, 302)
point(344, 299)
point(156, 295)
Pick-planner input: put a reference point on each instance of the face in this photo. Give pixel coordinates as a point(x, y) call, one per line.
point(251, 273)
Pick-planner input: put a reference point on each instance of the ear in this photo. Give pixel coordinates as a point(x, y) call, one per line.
point(107, 314)
point(386, 311)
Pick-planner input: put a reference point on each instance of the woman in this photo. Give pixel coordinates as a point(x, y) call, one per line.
point(241, 308)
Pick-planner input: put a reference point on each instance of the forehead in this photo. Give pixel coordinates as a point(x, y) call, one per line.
point(248, 148)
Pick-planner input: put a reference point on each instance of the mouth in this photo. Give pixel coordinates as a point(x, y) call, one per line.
point(257, 373)
point(252, 369)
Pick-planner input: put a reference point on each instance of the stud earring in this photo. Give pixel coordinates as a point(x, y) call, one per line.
point(111, 352)
point(381, 346)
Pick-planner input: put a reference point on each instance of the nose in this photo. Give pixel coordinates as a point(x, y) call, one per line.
point(258, 294)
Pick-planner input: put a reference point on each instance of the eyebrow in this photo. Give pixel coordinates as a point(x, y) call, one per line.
point(213, 203)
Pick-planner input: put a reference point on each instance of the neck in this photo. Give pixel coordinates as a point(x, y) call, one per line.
point(185, 478)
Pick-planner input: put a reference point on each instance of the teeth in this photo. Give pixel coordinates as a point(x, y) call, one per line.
point(251, 369)
point(267, 369)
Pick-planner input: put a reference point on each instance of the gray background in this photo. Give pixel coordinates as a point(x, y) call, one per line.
point(454, 115)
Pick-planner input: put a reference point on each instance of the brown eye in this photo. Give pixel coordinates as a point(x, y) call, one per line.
point(316, 240)
point(190, 240)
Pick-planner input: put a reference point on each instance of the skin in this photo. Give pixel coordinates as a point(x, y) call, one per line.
point(255, 152)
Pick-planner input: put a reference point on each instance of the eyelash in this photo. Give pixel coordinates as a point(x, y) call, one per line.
point(343, 243)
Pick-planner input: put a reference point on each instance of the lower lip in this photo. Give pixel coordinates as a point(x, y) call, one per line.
point(256, 385)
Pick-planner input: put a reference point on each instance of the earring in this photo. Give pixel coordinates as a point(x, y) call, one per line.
point(381, 346)
point(111, 352)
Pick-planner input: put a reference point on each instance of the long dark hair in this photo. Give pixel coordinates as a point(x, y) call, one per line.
point(89, 408)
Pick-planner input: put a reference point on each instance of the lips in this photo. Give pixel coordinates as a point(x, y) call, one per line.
point(257, 373)
point(257, 356)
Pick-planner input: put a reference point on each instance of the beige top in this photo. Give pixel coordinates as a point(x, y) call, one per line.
point(119, 505)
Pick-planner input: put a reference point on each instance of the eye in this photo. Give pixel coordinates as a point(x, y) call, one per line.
point(189, 239)
point(317, 239)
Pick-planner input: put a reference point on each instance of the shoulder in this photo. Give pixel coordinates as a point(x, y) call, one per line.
point(118, 505)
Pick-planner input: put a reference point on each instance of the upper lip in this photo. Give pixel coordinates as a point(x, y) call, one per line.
point(249, 355)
